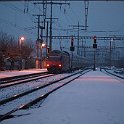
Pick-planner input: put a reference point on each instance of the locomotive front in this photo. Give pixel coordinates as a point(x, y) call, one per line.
point(54, 63)
point(58, 61)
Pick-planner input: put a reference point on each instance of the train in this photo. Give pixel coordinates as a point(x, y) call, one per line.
point(62, 61)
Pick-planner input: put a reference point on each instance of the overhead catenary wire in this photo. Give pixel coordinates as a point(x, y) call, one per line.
point(18, 13)
point(17, 9)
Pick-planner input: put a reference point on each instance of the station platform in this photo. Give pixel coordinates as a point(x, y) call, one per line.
point(5, 74)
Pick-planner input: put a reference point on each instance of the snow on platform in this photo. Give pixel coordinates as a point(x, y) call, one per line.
point(94, 98)
point(4, 74)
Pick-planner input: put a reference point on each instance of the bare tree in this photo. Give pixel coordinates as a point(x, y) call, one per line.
point(10, 50)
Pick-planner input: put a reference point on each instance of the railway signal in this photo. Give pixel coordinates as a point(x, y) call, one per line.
point(48, 50)
point(72, 41)
point(94, 44)
point(72, 44)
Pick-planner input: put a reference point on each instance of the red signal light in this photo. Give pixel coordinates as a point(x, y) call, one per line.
point(94, 38)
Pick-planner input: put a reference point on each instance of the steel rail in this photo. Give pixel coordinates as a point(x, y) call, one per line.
point(114, 74)
point(28, 79)
point(20, 77)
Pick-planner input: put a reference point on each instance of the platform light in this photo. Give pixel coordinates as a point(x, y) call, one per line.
point(20, 42)
point(43, 45)
point(21, 39)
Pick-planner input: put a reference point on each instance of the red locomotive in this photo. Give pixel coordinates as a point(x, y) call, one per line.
point(61, 61)
point(58, 61)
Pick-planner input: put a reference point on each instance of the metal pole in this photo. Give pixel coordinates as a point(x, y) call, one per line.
point(41, 55)
point(86, 3)
point(71, 61)
point(110, 53)
point(37, 44)
point(20, 49)
point(51, 28)
point(94, 65)
point(41, 46)
point(47, 38)
point(78, 40)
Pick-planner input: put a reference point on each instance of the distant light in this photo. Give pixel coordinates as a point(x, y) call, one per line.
point(43, 44)
point(22, 38)
point(60, 65)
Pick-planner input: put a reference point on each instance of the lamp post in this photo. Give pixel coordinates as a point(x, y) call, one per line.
point(21, 40)
point(111, 52)
point(43, 45)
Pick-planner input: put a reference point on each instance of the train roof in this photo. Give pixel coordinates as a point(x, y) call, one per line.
point(58, 52)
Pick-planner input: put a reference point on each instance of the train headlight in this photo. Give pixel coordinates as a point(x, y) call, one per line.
point(60, 65)
point(47, 65)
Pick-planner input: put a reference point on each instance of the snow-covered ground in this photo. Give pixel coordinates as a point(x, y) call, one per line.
point(21, 88)
point(94, 98)
point(4, 74)
point(114, 72)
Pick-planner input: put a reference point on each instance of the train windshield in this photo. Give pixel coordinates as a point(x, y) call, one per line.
point(54, 58)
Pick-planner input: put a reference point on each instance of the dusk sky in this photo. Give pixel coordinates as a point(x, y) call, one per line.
point(102, 16)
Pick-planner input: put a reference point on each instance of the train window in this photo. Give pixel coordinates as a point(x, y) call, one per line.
point(54, 58)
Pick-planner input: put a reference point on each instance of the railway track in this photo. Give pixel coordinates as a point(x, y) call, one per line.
point(20, 77)
point(27, 90)
point(27, 99)
point(23, 79)
point(18, 89)
point(115, 75)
